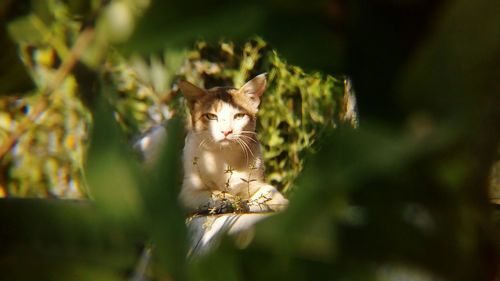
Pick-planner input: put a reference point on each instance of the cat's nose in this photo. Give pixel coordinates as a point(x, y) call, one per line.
point(226, 133)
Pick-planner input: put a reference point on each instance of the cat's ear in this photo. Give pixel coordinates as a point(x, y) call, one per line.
point(254, 88)
point(191, 92)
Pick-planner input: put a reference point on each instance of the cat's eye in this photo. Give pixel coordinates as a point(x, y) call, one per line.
point(210, 116)
point(238, 116)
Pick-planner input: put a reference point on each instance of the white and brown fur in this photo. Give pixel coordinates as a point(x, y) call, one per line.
point(222, 157)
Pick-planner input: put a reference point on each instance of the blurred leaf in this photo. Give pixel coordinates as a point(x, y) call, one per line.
point(27, 29)
point(464, 45)
point(112, 170)
point(126, 191)
point(63, 240)
point(14, 78)
point(163, 214)
point(162, 24)
point(292, 28)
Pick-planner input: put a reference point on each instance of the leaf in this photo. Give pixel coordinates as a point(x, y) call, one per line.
point(14, 79)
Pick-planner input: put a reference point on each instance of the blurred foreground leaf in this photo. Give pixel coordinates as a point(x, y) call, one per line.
point(163, 213)
point(126, 191)
point(63, 240)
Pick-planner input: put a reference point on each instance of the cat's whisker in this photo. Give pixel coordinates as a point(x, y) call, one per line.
point(247, 147)
point(205, 142)
point(249, 138)
point(249, 132)
point(243, 148)
point(202, 143)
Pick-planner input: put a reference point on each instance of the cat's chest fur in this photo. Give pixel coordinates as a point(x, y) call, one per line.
point(226, 169)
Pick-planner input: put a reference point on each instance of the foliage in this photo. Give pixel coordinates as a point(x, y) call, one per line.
point(295, 110)
point(139, 102)
point(47, 158)
point(403, 197)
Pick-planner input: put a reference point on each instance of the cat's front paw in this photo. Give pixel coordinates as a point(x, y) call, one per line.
point(268, 200)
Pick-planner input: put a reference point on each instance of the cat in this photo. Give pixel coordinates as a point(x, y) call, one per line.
point(223, 166)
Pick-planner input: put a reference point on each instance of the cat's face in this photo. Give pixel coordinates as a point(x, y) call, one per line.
point(224, 116)
point(224, 122)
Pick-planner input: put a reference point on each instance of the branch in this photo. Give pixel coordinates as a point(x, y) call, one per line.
point(66, 67)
